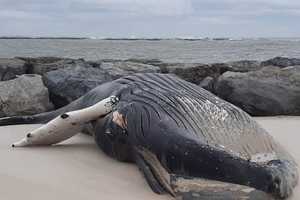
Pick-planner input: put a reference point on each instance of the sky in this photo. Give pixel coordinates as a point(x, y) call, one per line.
point(150, 18)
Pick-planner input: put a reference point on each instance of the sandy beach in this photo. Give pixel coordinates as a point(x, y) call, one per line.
point(77, 169)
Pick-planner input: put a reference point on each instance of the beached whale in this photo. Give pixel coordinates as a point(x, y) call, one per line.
point(186, 141)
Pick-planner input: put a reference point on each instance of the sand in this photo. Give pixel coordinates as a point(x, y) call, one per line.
point(78, 170)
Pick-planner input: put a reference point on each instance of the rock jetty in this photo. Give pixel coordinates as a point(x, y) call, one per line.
point(266, 88)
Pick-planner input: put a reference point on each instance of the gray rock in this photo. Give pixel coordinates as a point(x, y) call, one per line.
point(194, 72)
point(281, 62)
point(154, 62)
point(119, 69)
point(66, 85)
point(44, 68)
point(47, 59)
point(95, 64)
point(208, 84)
point(244, 65)
point(42, 65)
point(110, 60)
point(25, 95)
point(10, 68)
point(269, 91)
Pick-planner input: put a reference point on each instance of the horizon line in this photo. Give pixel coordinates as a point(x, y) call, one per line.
point(141, 38)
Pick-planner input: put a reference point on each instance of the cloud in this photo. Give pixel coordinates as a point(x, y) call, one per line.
point(247, 7)
point(155, 7)
point(149, 17)
point(138, 7)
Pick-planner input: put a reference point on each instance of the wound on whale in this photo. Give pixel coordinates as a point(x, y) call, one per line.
point(186, 141)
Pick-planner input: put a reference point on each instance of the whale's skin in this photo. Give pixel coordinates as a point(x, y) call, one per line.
point(176, 131)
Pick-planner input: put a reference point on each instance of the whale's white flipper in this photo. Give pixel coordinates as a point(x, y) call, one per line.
point(67, 124)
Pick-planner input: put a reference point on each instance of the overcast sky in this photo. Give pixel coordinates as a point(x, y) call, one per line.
point(151, 18)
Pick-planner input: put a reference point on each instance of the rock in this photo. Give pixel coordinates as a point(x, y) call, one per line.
point(155, 62)
point(10, 68)
point(208, 83)
point(45, 60)
point(110, 60)
point(269, 91)
point(119, 69)
point(38, 68)
point(244, 65)
point(42, 65)
point(25, 95)
point(194, 72)
point(66, 85)
point(95, 64)
point(281, 62)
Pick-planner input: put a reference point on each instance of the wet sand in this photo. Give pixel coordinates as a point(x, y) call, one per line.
point(77, 169)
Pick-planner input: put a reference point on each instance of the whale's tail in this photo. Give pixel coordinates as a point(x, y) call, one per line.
point(29, 119)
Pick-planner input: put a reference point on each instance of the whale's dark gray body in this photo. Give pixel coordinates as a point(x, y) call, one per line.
point(186, 141)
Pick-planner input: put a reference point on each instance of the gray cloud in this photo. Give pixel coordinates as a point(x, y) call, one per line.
point(150, 18)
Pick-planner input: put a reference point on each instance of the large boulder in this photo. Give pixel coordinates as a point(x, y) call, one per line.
point(194, 72)
point(42, 65)
point(208, 84)
point(281, 62)
point(10, 68)
point(25, 95)
point(244, 65)
point(269, 91)
point(119, 69)
point(66, 85)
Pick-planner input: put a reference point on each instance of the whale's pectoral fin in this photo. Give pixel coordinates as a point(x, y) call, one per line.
point(191, 188)
point(67, 124)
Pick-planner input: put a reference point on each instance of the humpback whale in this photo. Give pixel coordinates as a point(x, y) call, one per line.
point(186, 141)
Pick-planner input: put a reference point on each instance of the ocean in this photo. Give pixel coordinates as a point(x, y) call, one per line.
point(183, 51)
